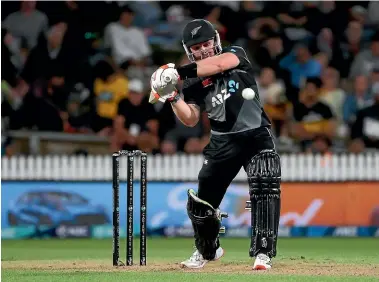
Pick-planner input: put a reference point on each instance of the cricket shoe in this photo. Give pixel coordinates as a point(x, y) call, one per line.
point(262, 262)
point(197, 260)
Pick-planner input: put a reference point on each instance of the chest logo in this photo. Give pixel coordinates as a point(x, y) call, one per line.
point(219, 99)
point(233, 86)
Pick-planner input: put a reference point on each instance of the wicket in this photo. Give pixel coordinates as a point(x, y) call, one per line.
point(129, 207)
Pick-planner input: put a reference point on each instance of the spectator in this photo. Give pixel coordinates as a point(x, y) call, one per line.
point(300, 64)
point(298, 19)
point(77, 118)
point(38, 111)
point(67, 11)
point(272, 95)
point(251, 10)
point(9, 70)
point(28, 23)
point(50, 61)
point(44, 83)
point(168, 34)
point(374, 78)
point(324, 43)
point(326, 46)
point(314, 124)
point(214, 18)
point(359, 99)
point(18, 51)
point(271, 51)
point(147, 13)
point(110, 88)
point(330, 11)
point(365, 130)
point(258, 28)
point(128, 43)
point(358, 13)
point(258, 31)
point(331, 94)
point(230, 4)
point(351, 44)
point(373, 12)
point(136, 125)
point(366, 59)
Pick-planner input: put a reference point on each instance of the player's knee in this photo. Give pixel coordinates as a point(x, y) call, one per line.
point(264, 171)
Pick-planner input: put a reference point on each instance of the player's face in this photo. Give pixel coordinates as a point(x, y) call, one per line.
point(203, 50)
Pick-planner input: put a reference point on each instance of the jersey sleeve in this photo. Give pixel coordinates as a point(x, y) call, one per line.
point(241, 54)
point(192, 92)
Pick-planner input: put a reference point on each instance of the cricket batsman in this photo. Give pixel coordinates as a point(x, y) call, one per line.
point(221, 82)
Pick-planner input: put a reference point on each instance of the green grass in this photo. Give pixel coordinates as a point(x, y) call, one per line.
point(100, 276)
point(335, 259)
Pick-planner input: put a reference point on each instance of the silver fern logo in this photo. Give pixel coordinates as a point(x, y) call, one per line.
point(195, 30)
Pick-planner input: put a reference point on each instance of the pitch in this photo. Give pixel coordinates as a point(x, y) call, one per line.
point(309, 259)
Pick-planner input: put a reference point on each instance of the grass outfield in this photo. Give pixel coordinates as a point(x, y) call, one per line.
point(335, 259)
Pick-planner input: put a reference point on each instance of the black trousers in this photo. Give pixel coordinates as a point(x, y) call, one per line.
point(224, 157)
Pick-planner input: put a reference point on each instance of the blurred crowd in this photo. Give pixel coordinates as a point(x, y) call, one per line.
point(84, 67)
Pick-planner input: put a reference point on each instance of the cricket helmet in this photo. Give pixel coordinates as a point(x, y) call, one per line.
point(198, 31)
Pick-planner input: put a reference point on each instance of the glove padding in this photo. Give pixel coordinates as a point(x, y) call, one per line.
point(163, 84)
point(155, 97)
point(166, 75)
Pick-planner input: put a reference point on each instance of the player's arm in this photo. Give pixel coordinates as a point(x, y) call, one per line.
point(209, 66)
point(188, 114)
point(217, 64)
point(232, 57)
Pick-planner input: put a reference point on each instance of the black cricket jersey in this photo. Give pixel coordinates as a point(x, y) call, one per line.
point(220, 96)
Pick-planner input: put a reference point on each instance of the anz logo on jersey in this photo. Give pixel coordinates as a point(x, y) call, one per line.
point(233, 86)
point(219, 99)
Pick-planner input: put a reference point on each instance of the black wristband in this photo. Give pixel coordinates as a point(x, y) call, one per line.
point(175, 99)
point(187, 71)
